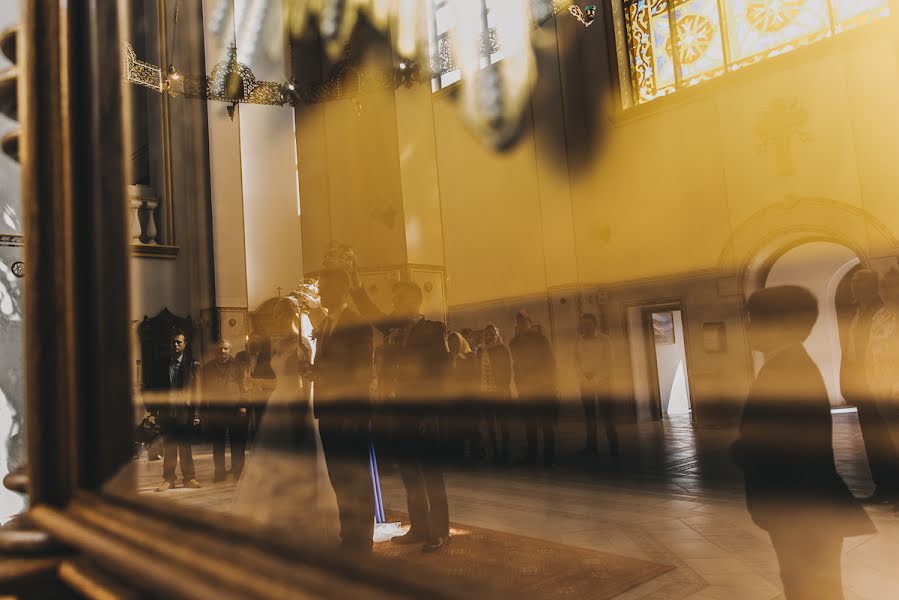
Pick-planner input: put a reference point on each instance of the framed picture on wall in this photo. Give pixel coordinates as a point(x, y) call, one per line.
point(663, 328)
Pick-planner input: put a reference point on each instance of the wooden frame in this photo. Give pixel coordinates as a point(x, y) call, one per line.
point(78, 358)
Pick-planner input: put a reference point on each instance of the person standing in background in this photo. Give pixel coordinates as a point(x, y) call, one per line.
point(172, 402)
point(259, 378)
point(495, 364)
point(593, 359)
point(534, 366)
point(462, 431)
point(226, 414)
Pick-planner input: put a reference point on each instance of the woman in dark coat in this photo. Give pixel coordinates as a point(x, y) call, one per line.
point(785, 450)
point(495, 370)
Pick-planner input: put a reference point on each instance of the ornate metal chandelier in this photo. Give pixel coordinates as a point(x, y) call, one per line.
point(493, 93)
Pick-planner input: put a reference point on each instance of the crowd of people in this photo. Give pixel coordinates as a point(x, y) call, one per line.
point(426, 396)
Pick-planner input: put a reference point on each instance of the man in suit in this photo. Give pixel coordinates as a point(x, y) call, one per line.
point(341, 402)
point(172, 403)
point(535, 378)
point(415, 362)
point(226, 414)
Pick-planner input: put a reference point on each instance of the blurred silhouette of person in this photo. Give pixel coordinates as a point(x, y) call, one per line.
point(593, 359)
point(785, 450)
point(173, 404)
point(415, 362)
point(495, 363)
point(342, 376)
point(881, 362)
point(858, 389)
point(285, 482)
point(534, 366)
point(259, 377)
point(226, 418)
point(463, 427)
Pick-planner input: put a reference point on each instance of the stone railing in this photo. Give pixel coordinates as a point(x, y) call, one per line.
point(144, 207)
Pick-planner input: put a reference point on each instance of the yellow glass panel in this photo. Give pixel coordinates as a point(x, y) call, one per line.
point(762, 28)
point(852, 13)
point(699, 40)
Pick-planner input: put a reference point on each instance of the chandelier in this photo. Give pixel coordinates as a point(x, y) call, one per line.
point(493, 94)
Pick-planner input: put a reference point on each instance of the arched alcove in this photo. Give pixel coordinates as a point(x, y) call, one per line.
point(819, 266)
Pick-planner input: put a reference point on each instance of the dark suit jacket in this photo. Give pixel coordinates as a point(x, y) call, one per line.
point(222, 386)
point(785, 449)
point(160, 403)
point(416, 363)
point(534, 365)
point(343, 367)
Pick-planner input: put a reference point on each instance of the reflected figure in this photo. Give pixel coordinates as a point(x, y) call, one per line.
point(225, 414)
point(259, 378)
point(342, 376)
point(413, 377)
point(785, 450)
point(284, 482)
point(495, 363)
point(535, 378)
point(172, 402)
point(866, 384)
point(593, 358)
point(882, 361)
point(463, 427)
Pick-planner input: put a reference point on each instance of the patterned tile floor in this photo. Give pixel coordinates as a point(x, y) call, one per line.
point(670, 498)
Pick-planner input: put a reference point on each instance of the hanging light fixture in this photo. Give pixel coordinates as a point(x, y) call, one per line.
point(230, 80)
point(494, 95)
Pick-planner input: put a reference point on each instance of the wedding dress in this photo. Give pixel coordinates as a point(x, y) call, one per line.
point(285, 481)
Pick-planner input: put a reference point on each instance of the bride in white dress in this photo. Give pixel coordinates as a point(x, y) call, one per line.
point(285, 481)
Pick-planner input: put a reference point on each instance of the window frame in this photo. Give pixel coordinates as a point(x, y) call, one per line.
point(79, 392)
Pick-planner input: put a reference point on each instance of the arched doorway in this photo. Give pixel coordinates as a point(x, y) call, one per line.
point(823, 267)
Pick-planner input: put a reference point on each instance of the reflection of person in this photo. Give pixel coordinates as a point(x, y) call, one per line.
point(174, 407)
point(226, 415)
point(342, 376)
point(785, 450)
point(883, 356)
point(415, 362)
point(593, 358)
point(284, 483)
point(259, 377)
point(496, 388)
point(861, 375)
point(535, 378)
point(463, 433)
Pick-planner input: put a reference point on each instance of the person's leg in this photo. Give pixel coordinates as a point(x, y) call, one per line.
point(588, 399)
point(530, 428)
point(346, 454)
point(218, 433)
point(607, 412)
point(810, 565)
point(185, 453)
point(882, 456)
point(169, 458)
point(238, 432)
point(548, 424)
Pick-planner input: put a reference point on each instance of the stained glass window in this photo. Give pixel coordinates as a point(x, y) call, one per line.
point(672, 44)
